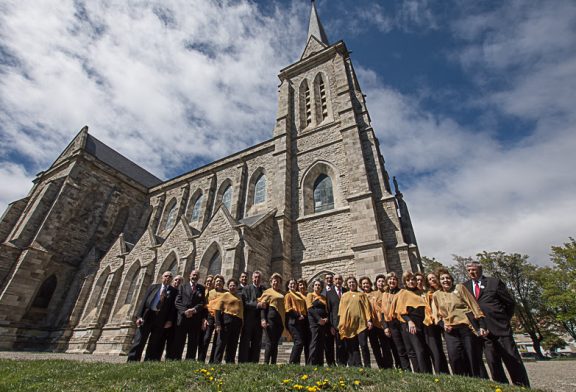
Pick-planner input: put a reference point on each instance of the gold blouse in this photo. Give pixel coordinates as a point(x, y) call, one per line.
point(452, 306)
point(409, 299)
point(212, 300)
point(275, 299)
point(375, 299)
point(354, 313)
point(311, 297)
point(230, 304)
point(294, 301)
point(386, 305)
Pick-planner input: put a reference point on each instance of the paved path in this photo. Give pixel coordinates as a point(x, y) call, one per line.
point(558, 376)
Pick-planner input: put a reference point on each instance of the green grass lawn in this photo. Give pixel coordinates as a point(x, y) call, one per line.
point(61, 375)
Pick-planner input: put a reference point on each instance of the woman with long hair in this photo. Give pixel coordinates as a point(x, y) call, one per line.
point(228, 322)
point(272, 317)
point(392, 327)
point(378, 342)
point(433, 332)
point(355, 322)
point(295, 306)
point(412, 310)
point(457, 311)
point(318, 321)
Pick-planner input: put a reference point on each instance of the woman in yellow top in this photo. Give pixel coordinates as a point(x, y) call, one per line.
point(295, 306)
point(457, 311)
point(433, 332)
point(272, 317)
point(378, 342)
point(303, 290)
point(412, 310)
point(228, 321)
point(392, 327)
point(355, 322)
point(318, 321)
point(211, 300)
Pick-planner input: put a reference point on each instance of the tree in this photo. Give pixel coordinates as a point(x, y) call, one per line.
point(458, 269)
point(431, 264)
point(559, 286)
point(521, 278)
point(553, 343)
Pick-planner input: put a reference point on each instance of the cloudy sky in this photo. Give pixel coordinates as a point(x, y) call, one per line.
point(473, 102)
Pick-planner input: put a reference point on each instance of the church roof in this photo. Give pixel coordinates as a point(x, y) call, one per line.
point(315, 26)
point(119, 162)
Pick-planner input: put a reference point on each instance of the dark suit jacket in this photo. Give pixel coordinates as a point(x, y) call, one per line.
point(496, 303)
point(167, 310)
point(250, 295)
point(187, 299)
point(333, 302)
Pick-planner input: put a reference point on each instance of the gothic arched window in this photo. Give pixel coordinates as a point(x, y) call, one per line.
point(260, 190)
point(321, 98)
point(171, 217)
point(305, 103)
point(195, 216)
point(215, 264)
point(45, 293)
point(323, 194)
point(227, 197)
point(132, 287)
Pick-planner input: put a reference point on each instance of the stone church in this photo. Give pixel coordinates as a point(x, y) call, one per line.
point(78, 252)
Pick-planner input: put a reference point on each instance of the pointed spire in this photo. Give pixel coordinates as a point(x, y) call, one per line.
point(315, 27)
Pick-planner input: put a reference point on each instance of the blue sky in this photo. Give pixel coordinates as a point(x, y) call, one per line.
point(473, 102)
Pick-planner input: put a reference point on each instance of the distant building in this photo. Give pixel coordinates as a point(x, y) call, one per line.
point(96, 229)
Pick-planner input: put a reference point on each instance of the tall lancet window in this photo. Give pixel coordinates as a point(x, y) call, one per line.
point(323, 102)
point(260, 190)
point(195, 216)
point(323, 194)
point(227, 197)
point(305, 98)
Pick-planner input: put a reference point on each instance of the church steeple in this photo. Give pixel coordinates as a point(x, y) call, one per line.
point(315, 27)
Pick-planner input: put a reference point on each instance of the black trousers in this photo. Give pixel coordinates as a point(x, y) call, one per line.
point(403, 361)
point(274, 333)
point(417, 349)
point(317, 344)
point(498, 349)
point(298, 329)
point(170, 333)
point(250, 339)
point(152, 332)
point(433, 334)
point(191, 329)
point(205, 340)
point(356, 346)
point(329, 341)
point(380, 348)
point(227, 339)
point(464, 351)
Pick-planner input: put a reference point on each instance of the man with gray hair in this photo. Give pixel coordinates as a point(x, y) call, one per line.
point(498, 306)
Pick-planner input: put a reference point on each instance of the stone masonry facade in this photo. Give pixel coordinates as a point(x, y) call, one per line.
point(77, 254)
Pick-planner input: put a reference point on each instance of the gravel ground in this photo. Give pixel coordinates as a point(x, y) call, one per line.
point(549, 375)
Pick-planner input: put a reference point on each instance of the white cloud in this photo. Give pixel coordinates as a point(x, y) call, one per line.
point(474, 193)
point(16, 182)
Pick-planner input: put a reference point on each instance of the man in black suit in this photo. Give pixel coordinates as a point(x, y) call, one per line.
point(154, 317)
point(333, 302)
point(251, 337)
point(243, 282)
point(498, 307)
point(191, 315)
point(328, 337)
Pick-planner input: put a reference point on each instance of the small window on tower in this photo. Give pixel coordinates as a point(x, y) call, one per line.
point(323, 194)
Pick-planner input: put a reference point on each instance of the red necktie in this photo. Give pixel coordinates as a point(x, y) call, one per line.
point(477, 289)
point(339, 293)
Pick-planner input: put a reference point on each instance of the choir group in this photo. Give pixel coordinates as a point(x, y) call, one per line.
point(338, 321)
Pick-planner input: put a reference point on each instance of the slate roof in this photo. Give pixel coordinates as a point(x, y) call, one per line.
point(119, 162)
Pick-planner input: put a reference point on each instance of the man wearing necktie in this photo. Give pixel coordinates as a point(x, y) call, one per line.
point(191, 315)
point(498, 307)
point(154, 317)
point(333, 302)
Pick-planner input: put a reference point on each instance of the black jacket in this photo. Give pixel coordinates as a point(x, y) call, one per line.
point(496, 303)
point(166, 311)
point(333, 302)
point(187, 299)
